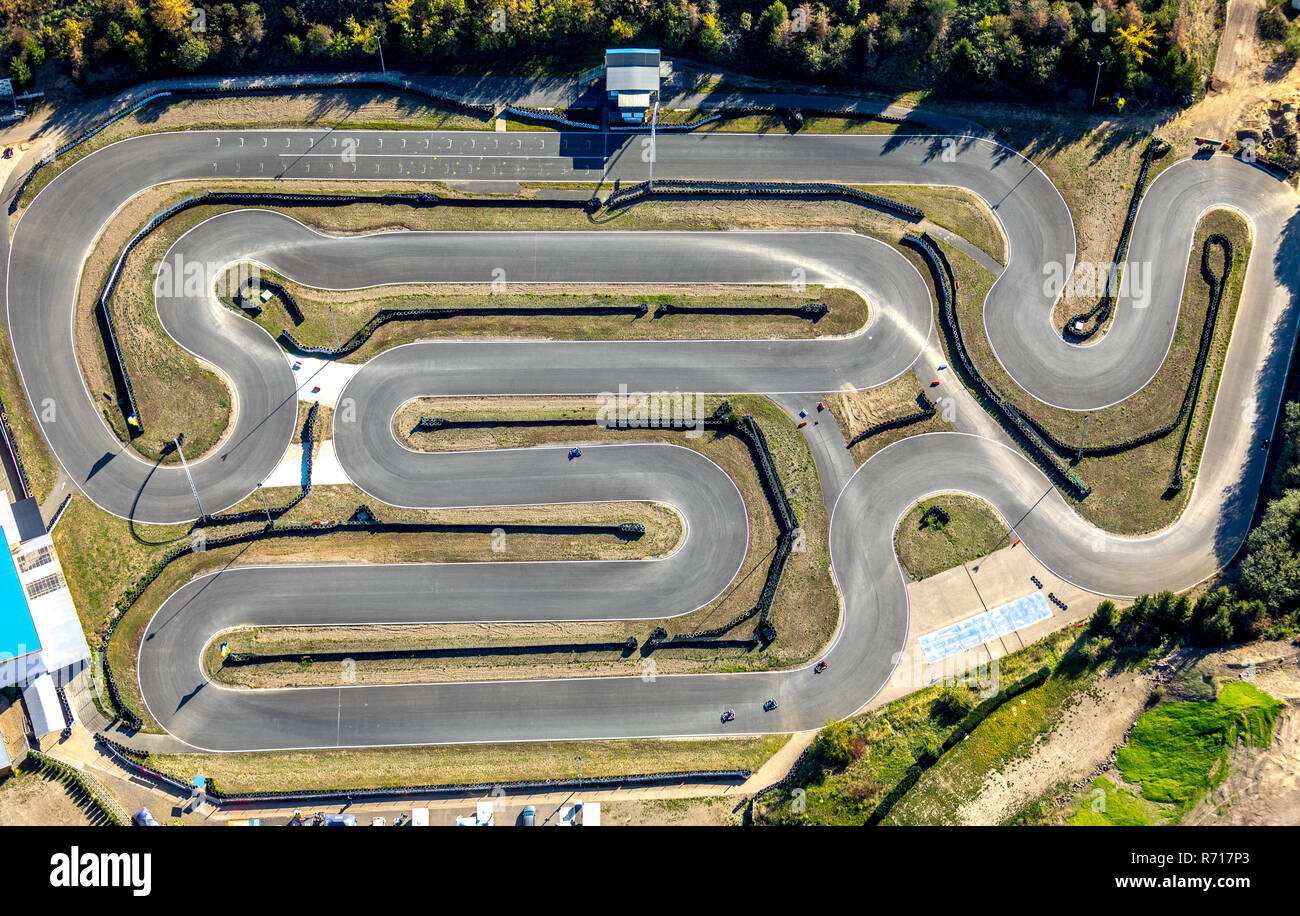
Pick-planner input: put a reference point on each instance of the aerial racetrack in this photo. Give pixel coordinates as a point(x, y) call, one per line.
point(865, 504)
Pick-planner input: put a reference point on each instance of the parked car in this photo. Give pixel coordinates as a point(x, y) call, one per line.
point(530, 816)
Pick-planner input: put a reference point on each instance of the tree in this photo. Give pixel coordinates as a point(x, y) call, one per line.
point(20, 73)
point(136, 51)
point(191, 54)
point(319, 38)
point(171, 16)
point(1136, 41)
point(1104, 619)
point(1271, 569)
point(710, 35)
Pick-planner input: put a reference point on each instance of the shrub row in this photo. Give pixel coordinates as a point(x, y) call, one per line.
point(958, 734)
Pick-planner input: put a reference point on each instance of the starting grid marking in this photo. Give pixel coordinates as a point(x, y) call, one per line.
point(975, 631)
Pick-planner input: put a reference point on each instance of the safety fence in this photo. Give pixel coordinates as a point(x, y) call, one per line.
point(689, 187)
point(946, 287)
point(745, 427)
point(252, 288)
point(1101, 311)
point(105, 315)
point(132, 594)
point(98, 796)
point(926, 411)
point(136, 761)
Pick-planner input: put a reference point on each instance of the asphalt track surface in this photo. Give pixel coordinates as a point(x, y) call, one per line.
point(58, 229)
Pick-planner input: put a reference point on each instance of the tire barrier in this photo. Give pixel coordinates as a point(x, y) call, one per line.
point(548, 117)
point(1037, 582)
point(308, 437)
point(926, 411)
point(813, 311)
point(66, 707)
point(385, 316)
point(11, 443)
point(752, 435)
point(1101, 311)
point(794, 117)
point(958, 734)
point(58, 513)
point(135, 761)
point(251, 290)
point(704, 188)
point(104, 315)
point(253, 659)
point(946, 287)
point(1218, 283)
point(1051, 596)
point(281, 84)
point(108, 329)
point(95, 793)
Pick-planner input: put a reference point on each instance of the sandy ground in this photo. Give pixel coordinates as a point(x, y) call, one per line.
point(28, 800)
point(1263, 784)
point(1082, 740)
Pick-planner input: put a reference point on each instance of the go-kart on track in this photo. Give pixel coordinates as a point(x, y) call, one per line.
point(58, 229)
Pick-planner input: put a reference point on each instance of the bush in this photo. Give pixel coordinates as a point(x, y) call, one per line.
point(832, 746)
point(1104, 619)
point(1272, 24)
point(955, 702)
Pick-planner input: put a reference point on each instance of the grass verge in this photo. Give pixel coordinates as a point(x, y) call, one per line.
point(946, 531)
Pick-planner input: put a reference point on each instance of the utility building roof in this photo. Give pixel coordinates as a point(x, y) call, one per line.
point(631, 70)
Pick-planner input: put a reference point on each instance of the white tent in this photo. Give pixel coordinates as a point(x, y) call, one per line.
point(43, 706)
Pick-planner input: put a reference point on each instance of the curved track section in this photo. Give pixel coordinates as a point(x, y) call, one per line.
point(42, 288)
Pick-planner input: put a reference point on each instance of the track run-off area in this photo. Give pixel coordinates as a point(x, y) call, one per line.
point(57, 231)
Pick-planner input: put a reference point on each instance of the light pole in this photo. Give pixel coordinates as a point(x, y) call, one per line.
point(1096, 86)
point(262, 493)
point(335, 325)
point(193, 489)
point(654, 123)
point(579, 760)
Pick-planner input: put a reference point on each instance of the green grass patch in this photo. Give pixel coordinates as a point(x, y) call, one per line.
point(1109, 805)
point(1180, 750)
point(946, 531)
